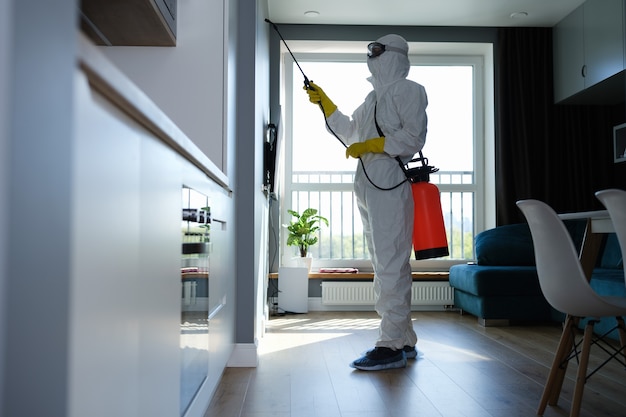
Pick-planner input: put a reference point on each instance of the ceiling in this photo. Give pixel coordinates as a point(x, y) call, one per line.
point(496, 13)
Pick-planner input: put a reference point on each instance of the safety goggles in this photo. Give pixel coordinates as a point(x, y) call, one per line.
point(375, 49)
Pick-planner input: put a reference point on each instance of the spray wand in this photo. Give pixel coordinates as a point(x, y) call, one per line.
point(307, 84)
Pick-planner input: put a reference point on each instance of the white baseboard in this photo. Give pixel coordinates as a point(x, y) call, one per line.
point(244, 355)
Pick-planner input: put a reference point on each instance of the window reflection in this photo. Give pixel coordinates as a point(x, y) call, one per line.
point(194, 318)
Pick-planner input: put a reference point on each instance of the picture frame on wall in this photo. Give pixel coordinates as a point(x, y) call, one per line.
point(619, 143)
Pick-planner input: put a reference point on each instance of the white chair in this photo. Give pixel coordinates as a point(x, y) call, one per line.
point(615, 202)
point(566, 288)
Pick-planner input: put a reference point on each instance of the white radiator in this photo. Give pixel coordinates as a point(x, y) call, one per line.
point(423, 293)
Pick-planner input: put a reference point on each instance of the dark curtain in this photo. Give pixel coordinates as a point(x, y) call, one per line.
point(560, 154)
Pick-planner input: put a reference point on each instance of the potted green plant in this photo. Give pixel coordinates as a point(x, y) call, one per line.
point(303, 229)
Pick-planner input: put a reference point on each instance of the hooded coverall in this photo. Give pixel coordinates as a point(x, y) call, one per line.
point(388, 214)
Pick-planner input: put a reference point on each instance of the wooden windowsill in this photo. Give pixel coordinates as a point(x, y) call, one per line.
point(417, 276)
point(189, 275)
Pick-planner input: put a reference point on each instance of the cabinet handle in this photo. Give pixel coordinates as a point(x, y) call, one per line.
point(583, 71)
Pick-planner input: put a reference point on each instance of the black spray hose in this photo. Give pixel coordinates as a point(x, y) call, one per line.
point(307, 84)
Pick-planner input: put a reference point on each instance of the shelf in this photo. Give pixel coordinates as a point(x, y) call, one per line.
point(417, 276)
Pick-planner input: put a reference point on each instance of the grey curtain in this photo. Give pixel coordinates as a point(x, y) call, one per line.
point(560, 154)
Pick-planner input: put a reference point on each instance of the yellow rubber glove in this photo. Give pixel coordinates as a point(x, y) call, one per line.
point(375, 145)
point(319, 97)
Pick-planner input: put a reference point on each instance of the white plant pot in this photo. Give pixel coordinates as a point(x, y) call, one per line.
point(303, 262)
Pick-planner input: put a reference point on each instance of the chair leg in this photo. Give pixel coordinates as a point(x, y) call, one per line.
point(622, 335)
point(581, 375)
point(552, 389)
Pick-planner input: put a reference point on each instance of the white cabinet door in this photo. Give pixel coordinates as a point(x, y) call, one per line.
point(604, 40)
point(588, 48)
point(568, 55)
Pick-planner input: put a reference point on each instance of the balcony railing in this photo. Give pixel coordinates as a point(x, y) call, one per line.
point(331, 193)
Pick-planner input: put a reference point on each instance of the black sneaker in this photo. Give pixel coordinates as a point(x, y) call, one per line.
point(410, 351)
point(380, 358)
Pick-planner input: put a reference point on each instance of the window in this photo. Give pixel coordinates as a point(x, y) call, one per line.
point(318, 175)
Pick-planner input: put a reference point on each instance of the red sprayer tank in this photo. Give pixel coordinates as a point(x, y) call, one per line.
point(429, 231)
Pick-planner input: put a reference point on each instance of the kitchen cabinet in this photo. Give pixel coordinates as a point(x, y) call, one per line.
point(129, 22)
point(143, 338)
point(589, 54)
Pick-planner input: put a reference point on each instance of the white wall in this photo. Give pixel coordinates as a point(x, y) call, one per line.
point(262, 115)
point(186, 81)
point(5, 44)
point(251, 203)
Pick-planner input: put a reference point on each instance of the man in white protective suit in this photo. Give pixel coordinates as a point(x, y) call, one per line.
point(390, 123)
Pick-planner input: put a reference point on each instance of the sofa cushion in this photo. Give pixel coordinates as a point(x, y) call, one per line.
point(505, 245)
point(513, 244)
point(611, 253)
point(490, 280)
point(608, 281)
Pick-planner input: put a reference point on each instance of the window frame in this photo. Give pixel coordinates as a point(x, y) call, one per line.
point(480, 57)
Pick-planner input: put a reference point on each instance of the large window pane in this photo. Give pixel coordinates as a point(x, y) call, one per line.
point(449, 143)
point(320, 176)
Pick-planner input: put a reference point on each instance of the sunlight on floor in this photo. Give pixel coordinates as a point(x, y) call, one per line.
point(323, 325)
point(290, 332)
point(287, 341)
point(450, 353)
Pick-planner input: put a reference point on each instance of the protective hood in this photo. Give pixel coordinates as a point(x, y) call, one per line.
point(390, 66)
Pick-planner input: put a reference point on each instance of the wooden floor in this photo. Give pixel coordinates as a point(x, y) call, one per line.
point(462, 370)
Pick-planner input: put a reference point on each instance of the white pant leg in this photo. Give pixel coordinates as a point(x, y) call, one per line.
point(388, 225)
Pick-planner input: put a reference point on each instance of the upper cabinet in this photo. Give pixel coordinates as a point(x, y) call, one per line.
point(568, 55)
point(604, 39)
point(129, 22)
point(589, 54)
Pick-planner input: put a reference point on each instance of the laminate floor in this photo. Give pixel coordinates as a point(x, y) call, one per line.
point(463, 370)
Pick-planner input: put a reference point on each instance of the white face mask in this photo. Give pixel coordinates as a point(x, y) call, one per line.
point(373, 64)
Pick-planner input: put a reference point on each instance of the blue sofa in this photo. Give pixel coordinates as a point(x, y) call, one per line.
point(502, 285)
